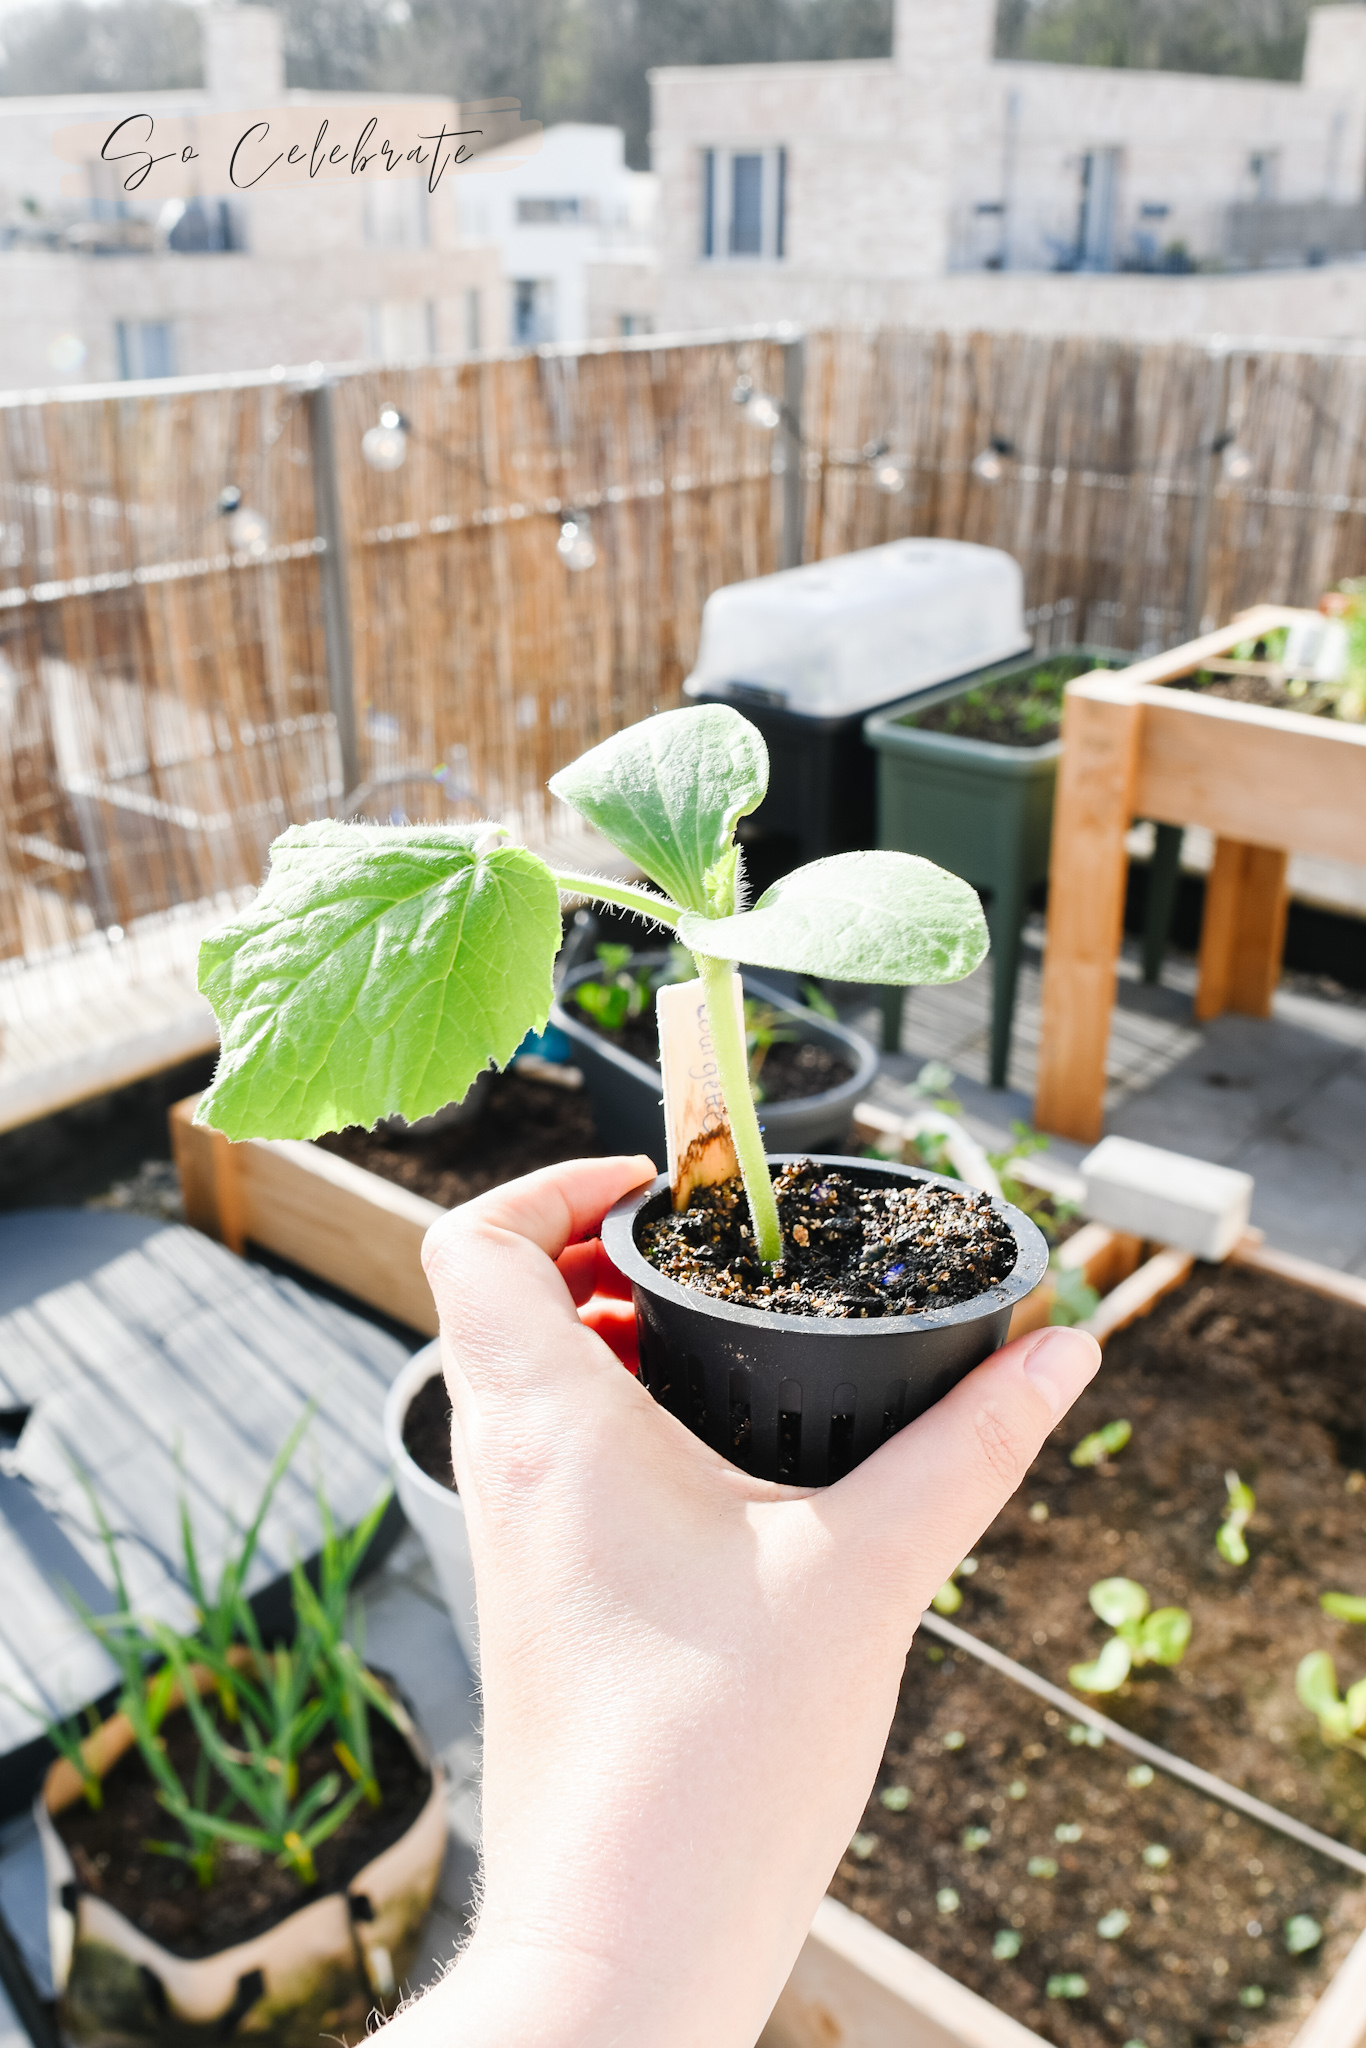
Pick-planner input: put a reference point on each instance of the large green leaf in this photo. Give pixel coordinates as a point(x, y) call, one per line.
point(856, 917)
point(379, 970)
point(669, 792)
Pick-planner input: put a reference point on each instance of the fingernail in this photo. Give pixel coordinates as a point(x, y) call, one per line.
point(1061, 1364)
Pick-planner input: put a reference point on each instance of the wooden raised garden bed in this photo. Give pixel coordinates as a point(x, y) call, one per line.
point(1266, 782)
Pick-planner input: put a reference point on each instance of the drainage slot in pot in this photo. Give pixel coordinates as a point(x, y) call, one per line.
point(697, 1396)
point(842, 1430)
point(893, 1408)
point(740, 1432)
point(789, 1429)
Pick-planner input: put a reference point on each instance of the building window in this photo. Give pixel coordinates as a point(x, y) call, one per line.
point(1096, 219)
point(533, 310)
point(744, 203)
point(144, 348)
point(474, 320)
point(402, 330)
point(555, 212)
point(634, 323)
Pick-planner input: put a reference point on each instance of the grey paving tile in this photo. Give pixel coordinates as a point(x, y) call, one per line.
point(1306, 1200)
point(1331, 1119)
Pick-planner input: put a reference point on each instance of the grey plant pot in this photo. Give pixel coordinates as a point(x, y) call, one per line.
point(806, 1398)
point(626, 1094)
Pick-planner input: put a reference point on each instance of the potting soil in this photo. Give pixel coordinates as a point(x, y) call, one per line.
point(525, 1124)
point(161, 1896)
point(427, 1432)
point(852, 1251)
point(1026, 712)
point(1236, 1371)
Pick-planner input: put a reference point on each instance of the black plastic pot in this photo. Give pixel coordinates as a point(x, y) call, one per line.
point(806, 1398)
point(625, 1093)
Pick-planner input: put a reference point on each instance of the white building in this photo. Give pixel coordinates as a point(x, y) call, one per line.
point(574, 231)
point(106, 287)
point(942, 186)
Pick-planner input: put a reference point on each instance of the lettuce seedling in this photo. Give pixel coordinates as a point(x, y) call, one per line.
point(1342, 1722)
point(1242, 1505)
point(1159, 1636)
point(1343, 1606)
point(1102, 1444)
point(380, 969)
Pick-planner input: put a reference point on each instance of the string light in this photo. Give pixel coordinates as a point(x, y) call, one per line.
point(1235, 461)
point(575, 545)
point(760, 410)
point(386, 446)
point(248, 529)
point(989, 466)
point(888, 470)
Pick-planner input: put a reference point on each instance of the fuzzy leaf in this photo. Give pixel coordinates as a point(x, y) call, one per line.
point(1343, 1606)
point(669, 793)
point(379, 970)
point(1165, 1635)
point(882, 917)
point(1118, 1600)
point(1107, 1673)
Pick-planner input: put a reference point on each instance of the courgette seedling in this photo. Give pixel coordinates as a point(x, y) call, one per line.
point(1102, 1444)
point(381, 968)
point(1142, 1635)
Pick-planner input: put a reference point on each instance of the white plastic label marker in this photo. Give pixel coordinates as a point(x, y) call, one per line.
point(695, 1122)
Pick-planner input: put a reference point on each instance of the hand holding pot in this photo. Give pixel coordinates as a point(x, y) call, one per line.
point(689, 1673)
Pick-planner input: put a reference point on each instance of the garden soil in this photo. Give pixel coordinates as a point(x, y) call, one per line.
point(525, 1124)
point(159, 1894)
point(1234, 1371)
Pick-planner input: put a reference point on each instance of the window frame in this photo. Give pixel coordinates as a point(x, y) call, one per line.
point(718, 222)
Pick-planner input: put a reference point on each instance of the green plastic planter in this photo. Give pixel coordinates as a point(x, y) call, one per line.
point(981, 810)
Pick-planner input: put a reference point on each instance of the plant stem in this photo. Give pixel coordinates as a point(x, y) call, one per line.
point(630, 898)
point(733, 1063)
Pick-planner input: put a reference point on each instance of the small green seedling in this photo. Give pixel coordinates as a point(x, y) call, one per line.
point(1102, 1444)
point(1252, 1997)
point(382, 968)
point(955, 1739)
point(975, 1839)
point(861, 1846)
point(1159, 1636)
point(1006, 1944)
point(1111, 1925)
point(896, 1798)
point(1242, 1505)
point(947, 1900)
point(1343, 1606)
point(1139, 1775)
point(1342, 1721)
point(949, 1598)
point(1067, 1985)
point(1041, 1866)
point(1301, 1933)
point(1068, 1831)
point(1081, 1736)
point(1074, 1299)
point(1157, 1855)
point(619, 993)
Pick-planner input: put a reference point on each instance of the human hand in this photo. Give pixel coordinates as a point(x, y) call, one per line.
point(688, 1674)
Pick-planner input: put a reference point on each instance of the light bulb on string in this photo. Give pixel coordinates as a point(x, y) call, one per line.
point(575, 545)
point(1236, 462)
point(888, 470)
point(386, 446)
point(248, 529)
point(990, 466)
point(759, 409)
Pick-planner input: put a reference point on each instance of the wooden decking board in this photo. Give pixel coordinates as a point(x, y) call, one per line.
point(170, 1366)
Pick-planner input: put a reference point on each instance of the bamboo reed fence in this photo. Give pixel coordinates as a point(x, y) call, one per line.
point(170, 700)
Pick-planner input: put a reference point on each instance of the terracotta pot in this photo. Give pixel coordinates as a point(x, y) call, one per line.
point(320, 1970)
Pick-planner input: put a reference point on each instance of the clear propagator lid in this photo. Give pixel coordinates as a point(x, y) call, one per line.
point(837, 638)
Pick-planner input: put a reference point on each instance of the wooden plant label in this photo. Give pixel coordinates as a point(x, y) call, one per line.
point(695, 1121)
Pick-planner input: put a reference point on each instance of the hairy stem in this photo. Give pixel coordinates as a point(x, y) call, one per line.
point(624, 893)
point(733, 1062)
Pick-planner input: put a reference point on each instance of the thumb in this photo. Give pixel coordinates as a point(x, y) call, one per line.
point(931, 1491)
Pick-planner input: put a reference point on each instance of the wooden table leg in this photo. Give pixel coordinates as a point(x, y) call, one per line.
point(1087, 874)
point(1243, 933)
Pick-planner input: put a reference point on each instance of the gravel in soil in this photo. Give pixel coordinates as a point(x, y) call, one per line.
point(791, 1071)
point(851, 1251)
point(1025, 712)
point(525, 1124)
point(427, 1431)
point(1235, 1371)
point(160, 1895)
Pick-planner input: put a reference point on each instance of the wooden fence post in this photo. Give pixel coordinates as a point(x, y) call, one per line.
point(332, 573)
point(790, 434)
